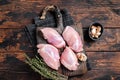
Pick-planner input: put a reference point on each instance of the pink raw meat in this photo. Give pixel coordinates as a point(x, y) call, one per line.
point(50, 55)
point(53, 37)
point(69, 59)
point(73, 39)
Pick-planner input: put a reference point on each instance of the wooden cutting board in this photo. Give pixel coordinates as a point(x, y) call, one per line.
point(82, 67)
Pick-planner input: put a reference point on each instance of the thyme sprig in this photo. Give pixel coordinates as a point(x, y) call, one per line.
point(38, 65)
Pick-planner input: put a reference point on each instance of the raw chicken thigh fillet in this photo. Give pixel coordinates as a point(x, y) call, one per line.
point(50, 55)
point(53, 37)
point(73, 39)
point(69, 59)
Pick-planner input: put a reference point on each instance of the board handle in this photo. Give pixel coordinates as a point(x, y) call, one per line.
point(58, 16)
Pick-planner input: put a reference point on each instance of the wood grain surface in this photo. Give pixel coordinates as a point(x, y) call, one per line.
point(103, 54)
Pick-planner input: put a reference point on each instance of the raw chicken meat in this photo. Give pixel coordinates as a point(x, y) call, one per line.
point(69, 59)
point(73, 39)
point(50, 55)
point(53, 37)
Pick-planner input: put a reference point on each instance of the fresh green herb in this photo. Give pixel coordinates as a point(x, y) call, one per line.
point(38, 65)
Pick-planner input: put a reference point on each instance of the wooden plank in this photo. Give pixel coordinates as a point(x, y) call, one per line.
point(108, 61)
point(18, 14)
point(104, 61)
point(77, 2)
point(14, 61)
point(104, 65)
point(109, 41)
point(96, 75)
point(11, 75)
point(13, 40)
point(16, 40)
point(105, 16)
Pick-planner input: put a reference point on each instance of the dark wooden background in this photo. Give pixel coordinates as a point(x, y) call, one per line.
point(104, 54)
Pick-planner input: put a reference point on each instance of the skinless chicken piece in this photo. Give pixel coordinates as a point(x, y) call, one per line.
point(50, 55)
point(69, 59)
point(73, 39)
point(53, 37)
